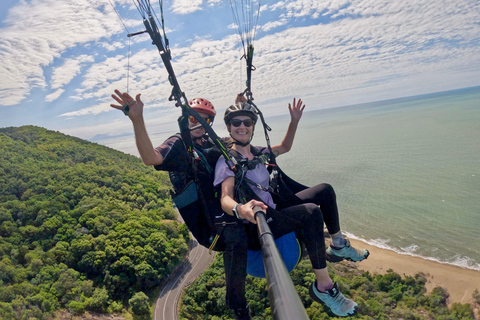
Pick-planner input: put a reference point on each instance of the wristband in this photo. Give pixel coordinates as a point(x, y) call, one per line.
point(235, 210)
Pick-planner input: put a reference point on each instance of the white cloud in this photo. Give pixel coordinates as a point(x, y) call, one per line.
point(202, 67)
point(93, 110)
point(186, 6)
point(54, 96)
point(101, 79)
point(343, 53)
point(313, 8)
point(63, 74)
point(112, 46)
point(272, 25)
point(264, 7)
point(371, 52)
point(32, 41)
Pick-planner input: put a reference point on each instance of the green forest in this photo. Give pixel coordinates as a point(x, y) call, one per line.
point(388, 296)
point(82, 227)
point(85, 228)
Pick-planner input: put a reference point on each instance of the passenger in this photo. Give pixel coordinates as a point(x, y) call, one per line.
point(319, 206)
point(171, 155)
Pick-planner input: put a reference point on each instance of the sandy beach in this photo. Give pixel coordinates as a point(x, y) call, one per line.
point(460, 283)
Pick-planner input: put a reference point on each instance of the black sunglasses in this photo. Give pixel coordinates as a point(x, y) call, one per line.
point(237, 122)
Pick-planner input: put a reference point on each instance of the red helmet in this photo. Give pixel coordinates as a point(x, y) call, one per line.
point(202, 105)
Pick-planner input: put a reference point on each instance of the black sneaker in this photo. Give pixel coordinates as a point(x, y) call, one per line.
point(242, 313)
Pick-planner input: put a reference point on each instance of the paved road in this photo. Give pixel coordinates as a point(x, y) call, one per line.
point(197, 261)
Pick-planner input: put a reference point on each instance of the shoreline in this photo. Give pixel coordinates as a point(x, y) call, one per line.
point(460, 283)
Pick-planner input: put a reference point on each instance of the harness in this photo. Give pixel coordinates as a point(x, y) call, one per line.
point(241, 168)
point(283, 190)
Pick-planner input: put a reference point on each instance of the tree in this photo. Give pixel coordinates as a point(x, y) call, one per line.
point(146, 277)
point(79, 223)
point(140, 304)
point(99, 300)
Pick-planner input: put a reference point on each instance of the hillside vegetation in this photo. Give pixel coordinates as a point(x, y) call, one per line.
point(82, 227)
point(388, 296)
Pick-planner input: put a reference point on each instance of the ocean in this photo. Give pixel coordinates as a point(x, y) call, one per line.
point(406, 171)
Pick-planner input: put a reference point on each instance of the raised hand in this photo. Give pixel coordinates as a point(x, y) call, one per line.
point(296, 110)
point(134, 107)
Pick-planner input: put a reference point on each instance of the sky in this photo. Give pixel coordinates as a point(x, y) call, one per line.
point(60, 60)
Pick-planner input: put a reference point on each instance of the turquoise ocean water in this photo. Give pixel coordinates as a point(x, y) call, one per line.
point(406, 172)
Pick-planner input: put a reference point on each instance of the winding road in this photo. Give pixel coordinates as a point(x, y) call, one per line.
point(197, 261)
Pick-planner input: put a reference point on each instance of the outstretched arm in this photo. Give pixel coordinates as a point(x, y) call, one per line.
point(245, 211)
point(296, 111)
point(149, 155)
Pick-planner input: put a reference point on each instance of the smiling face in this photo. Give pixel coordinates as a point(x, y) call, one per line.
point(241, 133)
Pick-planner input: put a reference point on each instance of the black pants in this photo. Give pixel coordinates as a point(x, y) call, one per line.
point(320, 204)
point(324, 196)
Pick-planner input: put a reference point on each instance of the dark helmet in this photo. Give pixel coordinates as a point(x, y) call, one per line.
point(240, 109)
point(202, 105)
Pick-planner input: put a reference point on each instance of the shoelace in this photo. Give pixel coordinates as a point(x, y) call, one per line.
point(337, 297)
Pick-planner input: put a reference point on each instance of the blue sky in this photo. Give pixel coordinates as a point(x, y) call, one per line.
point(61, 60)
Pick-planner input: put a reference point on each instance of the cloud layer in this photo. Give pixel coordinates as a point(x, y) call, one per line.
point(330, 53)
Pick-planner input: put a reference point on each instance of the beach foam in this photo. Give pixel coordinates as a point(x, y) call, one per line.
point(458, 261)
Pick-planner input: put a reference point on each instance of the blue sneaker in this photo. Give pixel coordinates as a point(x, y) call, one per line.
point(334, 300)
point(348, 252)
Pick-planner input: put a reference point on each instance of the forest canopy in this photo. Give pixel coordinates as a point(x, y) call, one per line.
point(82, 226)
point(379, 296)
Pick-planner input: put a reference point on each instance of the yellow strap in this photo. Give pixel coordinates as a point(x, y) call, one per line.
point(213, 244)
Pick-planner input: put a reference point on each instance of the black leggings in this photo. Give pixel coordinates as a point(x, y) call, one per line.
point(307, 218)
point(324, 196)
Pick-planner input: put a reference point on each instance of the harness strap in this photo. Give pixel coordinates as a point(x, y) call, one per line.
point(220, 227)
point(199, 156)
point(241, 168)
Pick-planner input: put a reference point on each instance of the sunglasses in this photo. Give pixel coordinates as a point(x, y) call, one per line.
point(193, 120)
point(237, 122)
